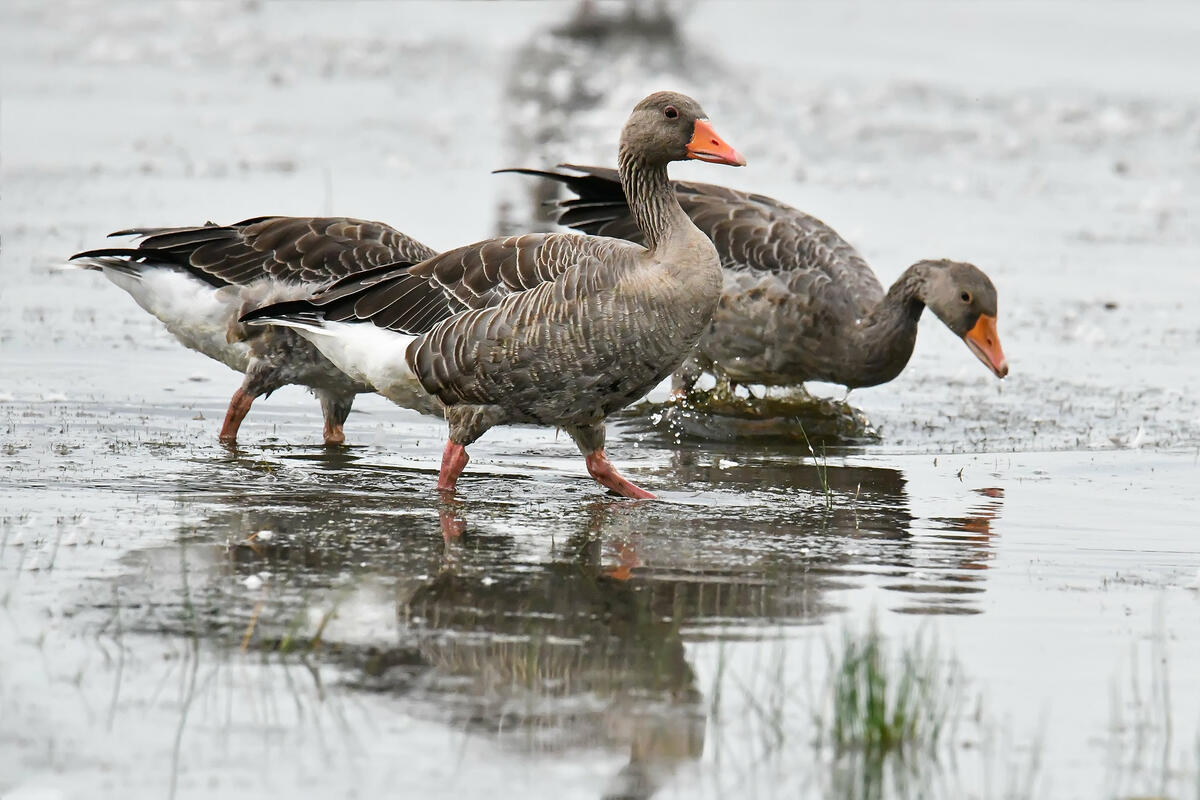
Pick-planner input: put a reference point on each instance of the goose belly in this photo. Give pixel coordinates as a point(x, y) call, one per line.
point(764, 330)
point(575, 366)
point(195, 313)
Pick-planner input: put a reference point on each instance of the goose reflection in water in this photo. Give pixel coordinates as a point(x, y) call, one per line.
point(589, 649)
point(572, 654)
point(845, 522)
point(561, 627)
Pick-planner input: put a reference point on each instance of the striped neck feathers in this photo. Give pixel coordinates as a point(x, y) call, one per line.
point(651, 197)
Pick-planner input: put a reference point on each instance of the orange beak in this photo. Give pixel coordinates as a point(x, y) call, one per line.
point(985, 344)
point(707, 146)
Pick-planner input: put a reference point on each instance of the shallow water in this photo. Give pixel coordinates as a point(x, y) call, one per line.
point(536, 635)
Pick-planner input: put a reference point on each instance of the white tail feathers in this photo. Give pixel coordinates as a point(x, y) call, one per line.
point(367, 353)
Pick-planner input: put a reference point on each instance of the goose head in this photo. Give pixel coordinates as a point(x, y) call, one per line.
point(669, 126)
point(963, 297)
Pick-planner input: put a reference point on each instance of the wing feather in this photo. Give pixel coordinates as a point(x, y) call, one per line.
point(414, 299)
point(750, 231)
point(291, 249)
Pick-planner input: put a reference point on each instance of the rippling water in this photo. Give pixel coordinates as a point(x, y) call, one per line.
point(535, 636)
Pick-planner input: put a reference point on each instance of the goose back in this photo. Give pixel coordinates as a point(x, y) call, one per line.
point(793, 289)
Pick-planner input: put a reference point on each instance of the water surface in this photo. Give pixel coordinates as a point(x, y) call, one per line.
point(534, 634)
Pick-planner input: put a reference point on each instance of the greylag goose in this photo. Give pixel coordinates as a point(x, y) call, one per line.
point(799, 303)
point(552, 329)
point(199, 280)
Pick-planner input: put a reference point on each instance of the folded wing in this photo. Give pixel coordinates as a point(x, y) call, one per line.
point(413, 298)
point(750, 231)
point(315, 250)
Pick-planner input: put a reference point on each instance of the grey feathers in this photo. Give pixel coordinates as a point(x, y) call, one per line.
point(314, 250)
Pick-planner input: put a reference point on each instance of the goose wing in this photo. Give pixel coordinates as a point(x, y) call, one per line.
point(750, 231)
point(288, 249)
point(413, 298)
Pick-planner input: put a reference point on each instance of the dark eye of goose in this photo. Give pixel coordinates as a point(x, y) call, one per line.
point(671, 112)
point(966, 297)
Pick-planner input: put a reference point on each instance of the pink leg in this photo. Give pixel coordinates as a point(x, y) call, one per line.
point(454, 459)
point(333, 434)
point(600, 468)
point(238, 407)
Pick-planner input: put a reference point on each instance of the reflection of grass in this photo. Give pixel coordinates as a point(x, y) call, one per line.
point(877, 705)
point(887, 719)
point(1143, 761)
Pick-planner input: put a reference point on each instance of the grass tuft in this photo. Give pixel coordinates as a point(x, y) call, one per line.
point(822, 470)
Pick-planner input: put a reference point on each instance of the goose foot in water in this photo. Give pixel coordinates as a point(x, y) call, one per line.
point(600, 468)
point(454, 461)
point(335, 406)
point(334, 435)
point(239, 406)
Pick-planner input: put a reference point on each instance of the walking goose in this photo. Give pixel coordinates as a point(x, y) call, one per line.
point(552, 329)
point(199, 280)
point(799, 303)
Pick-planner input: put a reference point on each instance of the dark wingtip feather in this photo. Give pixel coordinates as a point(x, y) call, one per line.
point(300, 310)
point(363, 278)
point(245, 223)
point(595, 187)
point(538, 173)
point(124, 252)
point(141, 232)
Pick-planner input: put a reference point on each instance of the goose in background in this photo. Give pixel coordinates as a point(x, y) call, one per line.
point(799, 303)
point(198, 280)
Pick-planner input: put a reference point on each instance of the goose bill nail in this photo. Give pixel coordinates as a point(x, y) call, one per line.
point(706, 145)
point(985, 344)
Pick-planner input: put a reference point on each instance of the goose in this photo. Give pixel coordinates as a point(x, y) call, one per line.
point(557, 329)
point(198, 280)
point(798, 303)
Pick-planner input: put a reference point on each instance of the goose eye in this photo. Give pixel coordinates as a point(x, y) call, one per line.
point(671, 112)
point(966, 297)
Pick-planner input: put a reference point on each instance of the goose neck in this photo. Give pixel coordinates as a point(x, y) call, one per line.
point(889, 332)
point(651, 196)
